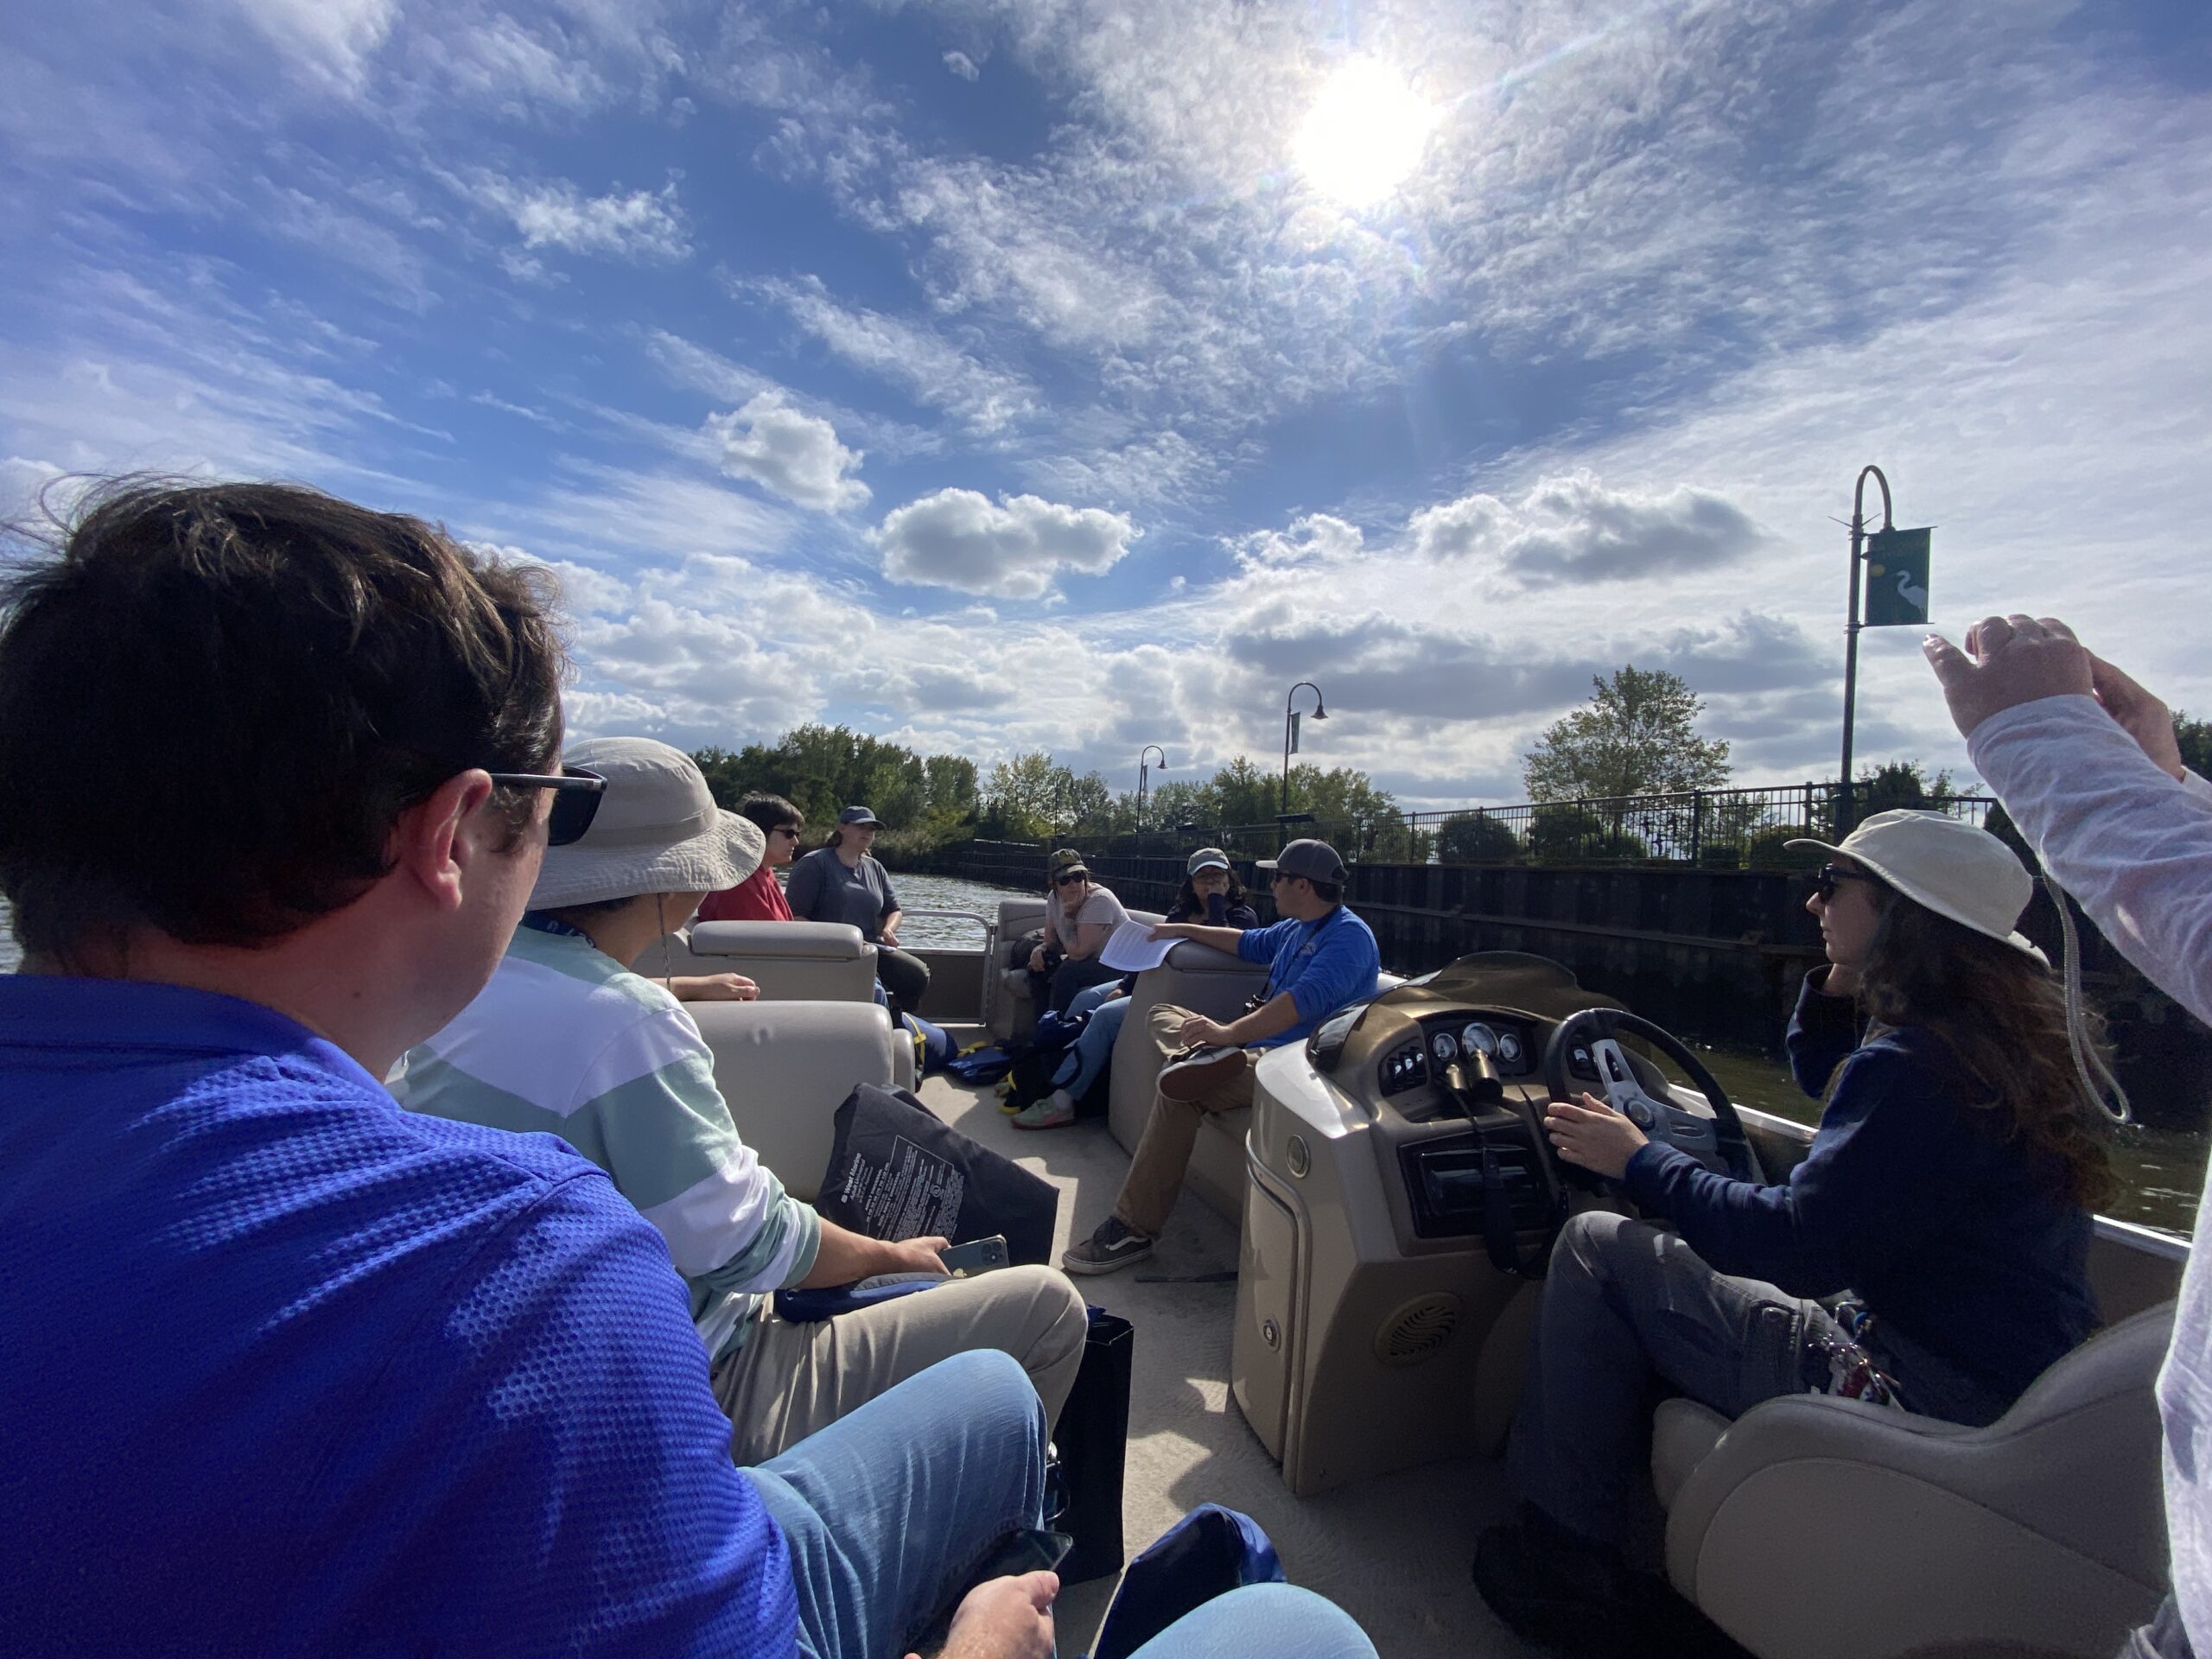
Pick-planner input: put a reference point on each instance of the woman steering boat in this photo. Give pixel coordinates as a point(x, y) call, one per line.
point(1949, 1191)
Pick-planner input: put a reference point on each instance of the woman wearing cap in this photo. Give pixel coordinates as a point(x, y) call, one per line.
point(567, 1040)
point(1211, 894)
point(1949, 1189)
point(1080, 916)
point(842, 881)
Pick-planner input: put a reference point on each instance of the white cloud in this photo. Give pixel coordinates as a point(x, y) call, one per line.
point(958, 538)
point(334, 39)
point(929, 367)
point(963, 66)
point(642, 225)
point(1318, 536)
point(795, 455)
point(1570, 528)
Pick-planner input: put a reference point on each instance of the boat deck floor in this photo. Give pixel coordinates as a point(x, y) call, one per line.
point(1393, 1552)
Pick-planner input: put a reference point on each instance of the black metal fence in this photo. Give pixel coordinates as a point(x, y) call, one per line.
point(1714, 829)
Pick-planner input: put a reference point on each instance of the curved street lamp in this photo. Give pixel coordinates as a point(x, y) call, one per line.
point(1142, 774)
point(1290, 731)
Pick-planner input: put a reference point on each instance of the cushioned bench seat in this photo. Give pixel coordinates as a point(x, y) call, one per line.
point(791, 962)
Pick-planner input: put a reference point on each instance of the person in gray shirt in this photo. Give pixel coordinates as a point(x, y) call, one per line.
point(842, 882)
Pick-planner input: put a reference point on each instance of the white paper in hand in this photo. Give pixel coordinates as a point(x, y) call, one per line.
point(1132, 949)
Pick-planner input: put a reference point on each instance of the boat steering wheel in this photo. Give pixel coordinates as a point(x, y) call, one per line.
point(1593, 1035)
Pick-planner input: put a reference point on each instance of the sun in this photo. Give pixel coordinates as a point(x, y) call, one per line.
point(1364, 134)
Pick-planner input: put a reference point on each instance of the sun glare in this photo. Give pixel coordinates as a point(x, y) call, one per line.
point(1363, 135)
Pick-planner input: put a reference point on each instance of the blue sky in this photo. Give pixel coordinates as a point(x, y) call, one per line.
point(1003, 375)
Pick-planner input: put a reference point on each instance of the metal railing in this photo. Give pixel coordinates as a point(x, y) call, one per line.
point(1717, 828)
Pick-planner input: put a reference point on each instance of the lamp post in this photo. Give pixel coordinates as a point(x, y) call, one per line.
point(1290, 731)
point(1846, 813)
point(1143, 775)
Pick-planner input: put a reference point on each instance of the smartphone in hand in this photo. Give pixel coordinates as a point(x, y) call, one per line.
point(979, 1256)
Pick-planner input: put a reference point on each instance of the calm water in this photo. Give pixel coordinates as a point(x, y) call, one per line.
point(2162, 1174)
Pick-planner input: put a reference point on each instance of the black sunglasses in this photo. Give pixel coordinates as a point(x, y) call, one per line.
point(576, 795)
point(1824, 883)
point(1066, 876)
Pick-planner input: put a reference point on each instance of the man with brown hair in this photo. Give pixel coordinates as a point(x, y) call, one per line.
point(290, 1370)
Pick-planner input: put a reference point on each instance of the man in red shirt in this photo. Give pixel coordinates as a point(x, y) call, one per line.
point(760, 898)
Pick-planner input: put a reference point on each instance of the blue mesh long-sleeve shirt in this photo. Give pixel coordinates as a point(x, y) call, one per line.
point(292, 1371)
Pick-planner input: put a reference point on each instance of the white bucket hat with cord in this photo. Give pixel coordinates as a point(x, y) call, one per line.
point(1947, 866)
point(1976, 880)
point(658, 830)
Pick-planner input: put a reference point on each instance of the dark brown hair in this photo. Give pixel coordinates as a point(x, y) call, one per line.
point(1187, 896)
point(770, 811)
point(2003, 1017)
point(216, 700)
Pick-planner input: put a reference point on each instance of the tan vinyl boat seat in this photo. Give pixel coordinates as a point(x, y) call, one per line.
point(786, 1067)
point(791, 962)
point(1813, 1528)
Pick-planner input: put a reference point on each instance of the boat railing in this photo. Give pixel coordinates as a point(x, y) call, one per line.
point(984, 922)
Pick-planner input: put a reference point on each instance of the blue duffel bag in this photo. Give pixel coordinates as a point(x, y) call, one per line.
point(1208, 1553)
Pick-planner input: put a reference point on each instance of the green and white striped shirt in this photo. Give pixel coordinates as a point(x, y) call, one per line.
point(568, 1041)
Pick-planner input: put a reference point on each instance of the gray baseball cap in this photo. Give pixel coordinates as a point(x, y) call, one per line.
point(1206, 858)
point(1314, 860)
point(857, 815)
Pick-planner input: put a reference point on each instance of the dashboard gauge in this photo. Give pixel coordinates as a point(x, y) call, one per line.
point(1479, 1039)
point(1508, 1048)
point(1444, 1048)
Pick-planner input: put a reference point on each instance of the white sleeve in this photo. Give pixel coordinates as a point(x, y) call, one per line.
point(2129, 842)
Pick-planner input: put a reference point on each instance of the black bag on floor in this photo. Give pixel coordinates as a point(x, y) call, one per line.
point(898, 1171)
point(1093, 1440)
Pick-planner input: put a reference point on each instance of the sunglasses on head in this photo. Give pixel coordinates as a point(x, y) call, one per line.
point(1066, 877)
point(1824, 883)
point(576, 795)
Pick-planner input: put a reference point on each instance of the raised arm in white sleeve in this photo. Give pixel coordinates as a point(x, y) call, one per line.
point(2132, 845)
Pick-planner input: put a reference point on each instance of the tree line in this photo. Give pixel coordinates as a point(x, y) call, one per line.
point(1636, 738)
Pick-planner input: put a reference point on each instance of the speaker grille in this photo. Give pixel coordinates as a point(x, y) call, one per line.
point(1418, 1329)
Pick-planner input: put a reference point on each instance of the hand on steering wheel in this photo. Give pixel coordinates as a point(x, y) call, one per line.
point(1588, 1133)
point(1590, 1041)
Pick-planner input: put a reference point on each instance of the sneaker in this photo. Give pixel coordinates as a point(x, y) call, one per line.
point(1056, 1113)
point(1112, 1248)
point(1552, 1587)
point(1199, 1071)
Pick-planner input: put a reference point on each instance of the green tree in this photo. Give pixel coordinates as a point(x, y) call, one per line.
point(1185, 800)
point(1637, 737)
point(1024, 796)
point(1476, 838)
point(1903, 784)
point(1245, 793)
point(949, 785)
point(2194, 737)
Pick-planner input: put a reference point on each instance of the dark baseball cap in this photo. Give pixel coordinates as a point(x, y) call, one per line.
point(1314, 860)
point(857, 815)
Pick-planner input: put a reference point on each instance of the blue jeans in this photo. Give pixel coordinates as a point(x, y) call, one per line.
point(1262, 1621)
point(887, 1511)
point(1096, 1045)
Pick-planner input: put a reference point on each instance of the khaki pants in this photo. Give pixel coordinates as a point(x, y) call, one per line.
point(790, 1380)
point(1163, 1154)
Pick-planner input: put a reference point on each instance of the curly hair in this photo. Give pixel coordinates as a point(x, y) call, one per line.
point(2003, 1017)
point(1187, 900)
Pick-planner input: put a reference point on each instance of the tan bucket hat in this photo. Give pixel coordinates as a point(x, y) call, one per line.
point(658, 830)
point(1947, 865)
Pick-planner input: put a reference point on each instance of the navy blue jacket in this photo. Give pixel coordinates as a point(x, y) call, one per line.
point(1957, 1240)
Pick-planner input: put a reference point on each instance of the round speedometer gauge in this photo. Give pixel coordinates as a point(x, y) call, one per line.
point(1479, 1039)
point(1444, 1048)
